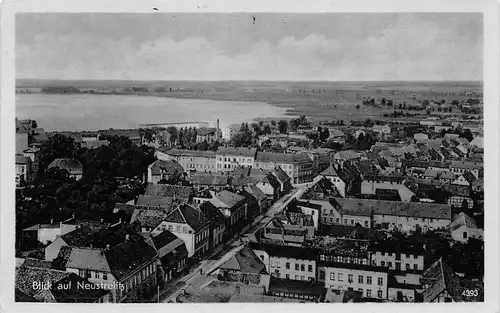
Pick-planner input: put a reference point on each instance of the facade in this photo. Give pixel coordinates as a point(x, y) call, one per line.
point(298, 167)
point(320, 157)
point(286, 262)
point(369, 280)
point(164, 170)
point(371, 184)
point(24, 168)
point(398, 261)
point(228, 158)
point(459, 167)
point(463, 228)
point(234, 207)
point(331, 174)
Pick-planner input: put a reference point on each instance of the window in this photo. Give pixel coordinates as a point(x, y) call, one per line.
point(309, 268)
point(366, 223)
point(465, 235)
point(184, 230)
point(296, 277)
point(278, 263)
point(97, 275)
point(345, 221)
point(178, 229)
point(379, 294)
point(302, 278)
point(287, 265)
point(407, 266)
point(369, 280)
point(415, 256)
point(350, 278)
point(338, 220)
point(340, 277)
point(104, 276)
point(380, 281)
point(415, 266)
point(360, 290)
point(382, 263)
point(332, 276)
point(389, 264)
point(368, 293)
point(302, 267)
point(360, 279)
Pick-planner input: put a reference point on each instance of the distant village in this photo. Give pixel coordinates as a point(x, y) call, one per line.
point(290, 210)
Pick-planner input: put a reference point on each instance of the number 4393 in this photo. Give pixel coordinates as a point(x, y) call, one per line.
point(470, 293)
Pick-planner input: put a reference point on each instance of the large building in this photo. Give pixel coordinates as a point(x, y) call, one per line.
point(199, 161)
point(298, 167)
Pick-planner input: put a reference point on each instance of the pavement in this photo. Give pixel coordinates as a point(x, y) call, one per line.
point(221, 254)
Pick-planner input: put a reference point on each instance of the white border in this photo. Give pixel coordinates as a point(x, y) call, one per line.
point(490, 10)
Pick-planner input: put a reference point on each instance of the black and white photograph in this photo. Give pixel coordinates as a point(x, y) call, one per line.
point(251, 157)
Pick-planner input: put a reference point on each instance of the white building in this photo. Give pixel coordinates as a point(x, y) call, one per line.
point(464, 227)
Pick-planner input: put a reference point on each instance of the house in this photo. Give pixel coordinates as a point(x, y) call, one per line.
point(161, 170)
point(336, 135)
point(308, 208)
point(465, 179)
point(269, 185)
point(322, 189)
point(149, 218)
point(396, 256)
point(44, 233)
point(371, 281)
point(228, 158)
point(460, 167)
point(441, 284)
point(34, 155)
point(298, 167)
point(392, 214)
point(213, 181)
point(464, 227)
point(234, 207)
point(191, 225)
point(373, 185)
point(478, 185)
point(332, 174)
point(190, 160)
point(403, 286)
point(244, 267)
point(420, 137)
point(206, 134)
point(24, 170)
point(280, 231)
point(72, 166)
point(217, 224)
point(127, 268)
point(382, 129)
point(172, 253)
point(309, 291)
point(56, 286)
point(284, 180)
point(345, 155)
point(339, 250)
point(259, 196)
point(287, 262)
point(176, 192)
point(320, 158)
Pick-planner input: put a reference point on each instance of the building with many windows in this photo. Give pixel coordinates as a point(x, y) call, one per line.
point(190, 160)
point(229, 158)
point(298, 167)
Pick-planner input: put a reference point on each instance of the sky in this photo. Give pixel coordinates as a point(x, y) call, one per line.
point(274, 46)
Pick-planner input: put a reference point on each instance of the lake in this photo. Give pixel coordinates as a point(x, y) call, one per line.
point(93, 112)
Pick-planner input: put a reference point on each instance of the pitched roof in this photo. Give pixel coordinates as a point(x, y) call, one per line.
point(168, 167)
point(76, 294)
point(256, 192)
point(245, 261)
point(172, 191)
point(21, 159)
point(154, 201)
point(30, 262)
point(226, 199)
point(277, 157)
point(241, 151)
point(149, 217)
point(346, 155)
point(85, 258)
point(26, 276)
point(94, 144)
point(210, 179)
point(206, 131)
point(73, 166)
point(440, 277)
point(462, 219)
point(330, 171)
point(469, 177)
point(365, 207)
point(279, 173)
point(466, 165)
point(290, 252)
point(186, 214)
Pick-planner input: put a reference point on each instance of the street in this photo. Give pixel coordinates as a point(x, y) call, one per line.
point(195, 279)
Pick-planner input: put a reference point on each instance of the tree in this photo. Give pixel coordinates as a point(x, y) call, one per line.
point(383, 102)
point(283, 126)
point(242, 139)
point(57, 146)
point(273, 122)
point(389, 103)
point(467, 134)
point(172, 130)
point(324, 134)
point(357, 106)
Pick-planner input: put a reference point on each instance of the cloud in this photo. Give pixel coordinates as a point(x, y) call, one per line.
point(410, 49)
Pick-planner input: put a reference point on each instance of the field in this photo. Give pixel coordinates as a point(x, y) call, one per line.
point(317, 100)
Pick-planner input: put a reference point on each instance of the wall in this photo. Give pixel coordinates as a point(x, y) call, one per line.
point(377, 259)
point(313, 212)
point(410, 223)
point(458, 234)
point(278, 265)
point(339, 184)
point(186, 237)
point(351, 220)
point(48, 234)
point(328, 212)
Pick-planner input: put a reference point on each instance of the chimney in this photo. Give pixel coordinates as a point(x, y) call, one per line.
point(102, 220)
point(218, 132)
point(51, 221)
point(107, 247)
point(127, 237)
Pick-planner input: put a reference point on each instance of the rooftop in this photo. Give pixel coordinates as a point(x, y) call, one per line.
point(73, 166)
point(242, 151)
point(277, 157)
